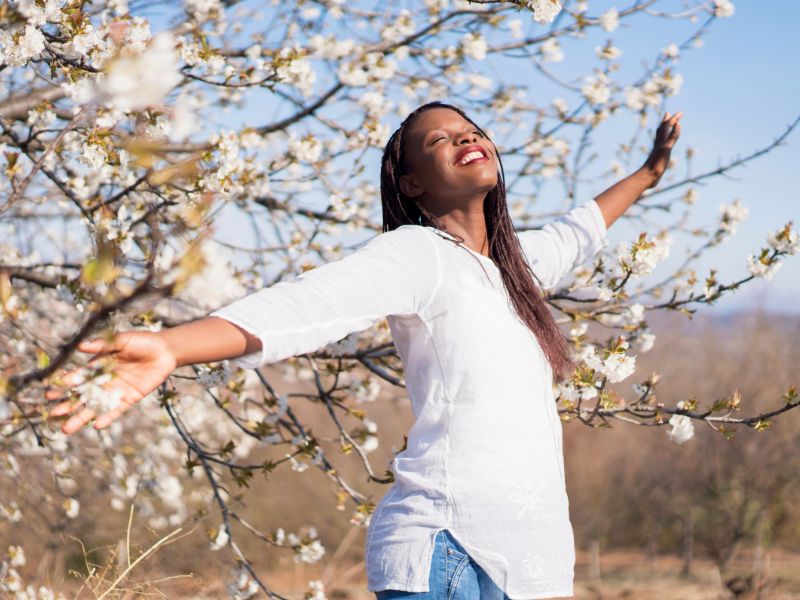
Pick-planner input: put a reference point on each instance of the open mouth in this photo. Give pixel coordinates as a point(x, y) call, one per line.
point(471, 155)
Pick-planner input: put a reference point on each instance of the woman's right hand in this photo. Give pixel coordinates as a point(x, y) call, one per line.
point(140, 361)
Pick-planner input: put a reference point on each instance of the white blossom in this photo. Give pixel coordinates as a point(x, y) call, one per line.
point(280, 536)
point(317, 591)
point(634, 314)
point(607, 52)
point(671, 50)
point(723, 8)
point(646, 342)
point(619, 366)
point(690, 196)
point(242, 586)
point(29, 45)
point(306, 149)
point(682, 427)
point(550, 50)
point(71, 507)
point(375, 103)
point(641, 257)
point(141, 80)
point(762, 266)
point(579, 330)
point(10, 512)
point(515, 27)
point(203, 10)
point(221, 540)
point(401, 28)
point(609, 20)
point(213, 376)
point(309, 552)
point(616, 367)
point(474, 46)
point(732, 215)
point(784, 240)
point(560, 105)
point(596, 88)
point(17, 556)
point(360, 519)
point(39, 13)
point(297, 465)
point(544, 11)
point(295, 70)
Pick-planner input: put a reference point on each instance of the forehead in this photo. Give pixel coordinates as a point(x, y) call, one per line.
point(437, 118)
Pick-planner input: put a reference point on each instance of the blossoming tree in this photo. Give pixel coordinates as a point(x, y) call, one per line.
point(126, 138)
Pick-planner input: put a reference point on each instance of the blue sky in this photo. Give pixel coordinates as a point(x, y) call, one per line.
point(739, 92)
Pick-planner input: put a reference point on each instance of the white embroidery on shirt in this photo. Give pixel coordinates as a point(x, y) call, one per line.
point(529, 496)
point(538, 566)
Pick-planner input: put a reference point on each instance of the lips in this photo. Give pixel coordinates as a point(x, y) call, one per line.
point(466, 150)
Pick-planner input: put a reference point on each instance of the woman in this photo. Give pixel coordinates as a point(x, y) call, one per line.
point(479, 507)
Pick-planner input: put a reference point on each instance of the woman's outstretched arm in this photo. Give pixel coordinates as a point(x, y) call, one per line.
point(559, 246)
point(395, 273)
point(618, 198)
point(190, 343)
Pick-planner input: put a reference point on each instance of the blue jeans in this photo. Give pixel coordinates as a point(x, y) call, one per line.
point(454, 576)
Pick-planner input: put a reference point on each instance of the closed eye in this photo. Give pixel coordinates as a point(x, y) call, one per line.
point(442, 138)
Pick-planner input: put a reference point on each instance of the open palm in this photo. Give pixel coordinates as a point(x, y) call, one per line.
point(138, 362)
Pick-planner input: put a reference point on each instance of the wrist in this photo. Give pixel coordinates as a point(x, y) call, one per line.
point(172, 346)
point(646, 176)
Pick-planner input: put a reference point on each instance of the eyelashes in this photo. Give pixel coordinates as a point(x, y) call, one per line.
point(443, 138)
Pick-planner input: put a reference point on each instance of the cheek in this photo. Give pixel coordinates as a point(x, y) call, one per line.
point(435, 170)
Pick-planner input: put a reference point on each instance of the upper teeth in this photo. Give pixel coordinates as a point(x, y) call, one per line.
point(470, 157)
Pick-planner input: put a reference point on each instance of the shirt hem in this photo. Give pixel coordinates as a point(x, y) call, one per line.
point(568, 592)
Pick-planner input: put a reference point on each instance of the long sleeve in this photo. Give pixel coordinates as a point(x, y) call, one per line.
point(559, 246)
point(394, 273)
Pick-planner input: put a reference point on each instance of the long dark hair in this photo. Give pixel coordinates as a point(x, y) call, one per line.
point(504, 247)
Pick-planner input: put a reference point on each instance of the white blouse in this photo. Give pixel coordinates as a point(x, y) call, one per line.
point(484, 457)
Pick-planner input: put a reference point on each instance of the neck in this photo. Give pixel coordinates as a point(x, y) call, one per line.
point(468, 221)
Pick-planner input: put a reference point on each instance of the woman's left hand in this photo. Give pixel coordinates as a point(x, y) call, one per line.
point(666, 136)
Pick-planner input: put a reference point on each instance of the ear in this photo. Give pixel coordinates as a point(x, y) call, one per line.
point(410, 186)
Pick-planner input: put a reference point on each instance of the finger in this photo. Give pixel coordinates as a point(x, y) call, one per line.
point(109, 417)
point(97, 346)
point(64, 408)
point(65, 380)
point(666, 116)
point(76, 422)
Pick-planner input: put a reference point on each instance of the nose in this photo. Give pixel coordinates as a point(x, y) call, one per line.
point(468, 136)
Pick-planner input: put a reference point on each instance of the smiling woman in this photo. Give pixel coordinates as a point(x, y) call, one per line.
point(423, 181)
point(483, 468)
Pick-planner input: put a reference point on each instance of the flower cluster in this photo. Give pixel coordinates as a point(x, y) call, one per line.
point(306, 546)
point(642, 256)
point(611, 362)
point(682, 426)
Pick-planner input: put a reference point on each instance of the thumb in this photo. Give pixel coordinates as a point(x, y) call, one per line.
point(92, 346)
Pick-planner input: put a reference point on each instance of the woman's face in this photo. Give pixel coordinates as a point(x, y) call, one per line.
point(438, 142)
